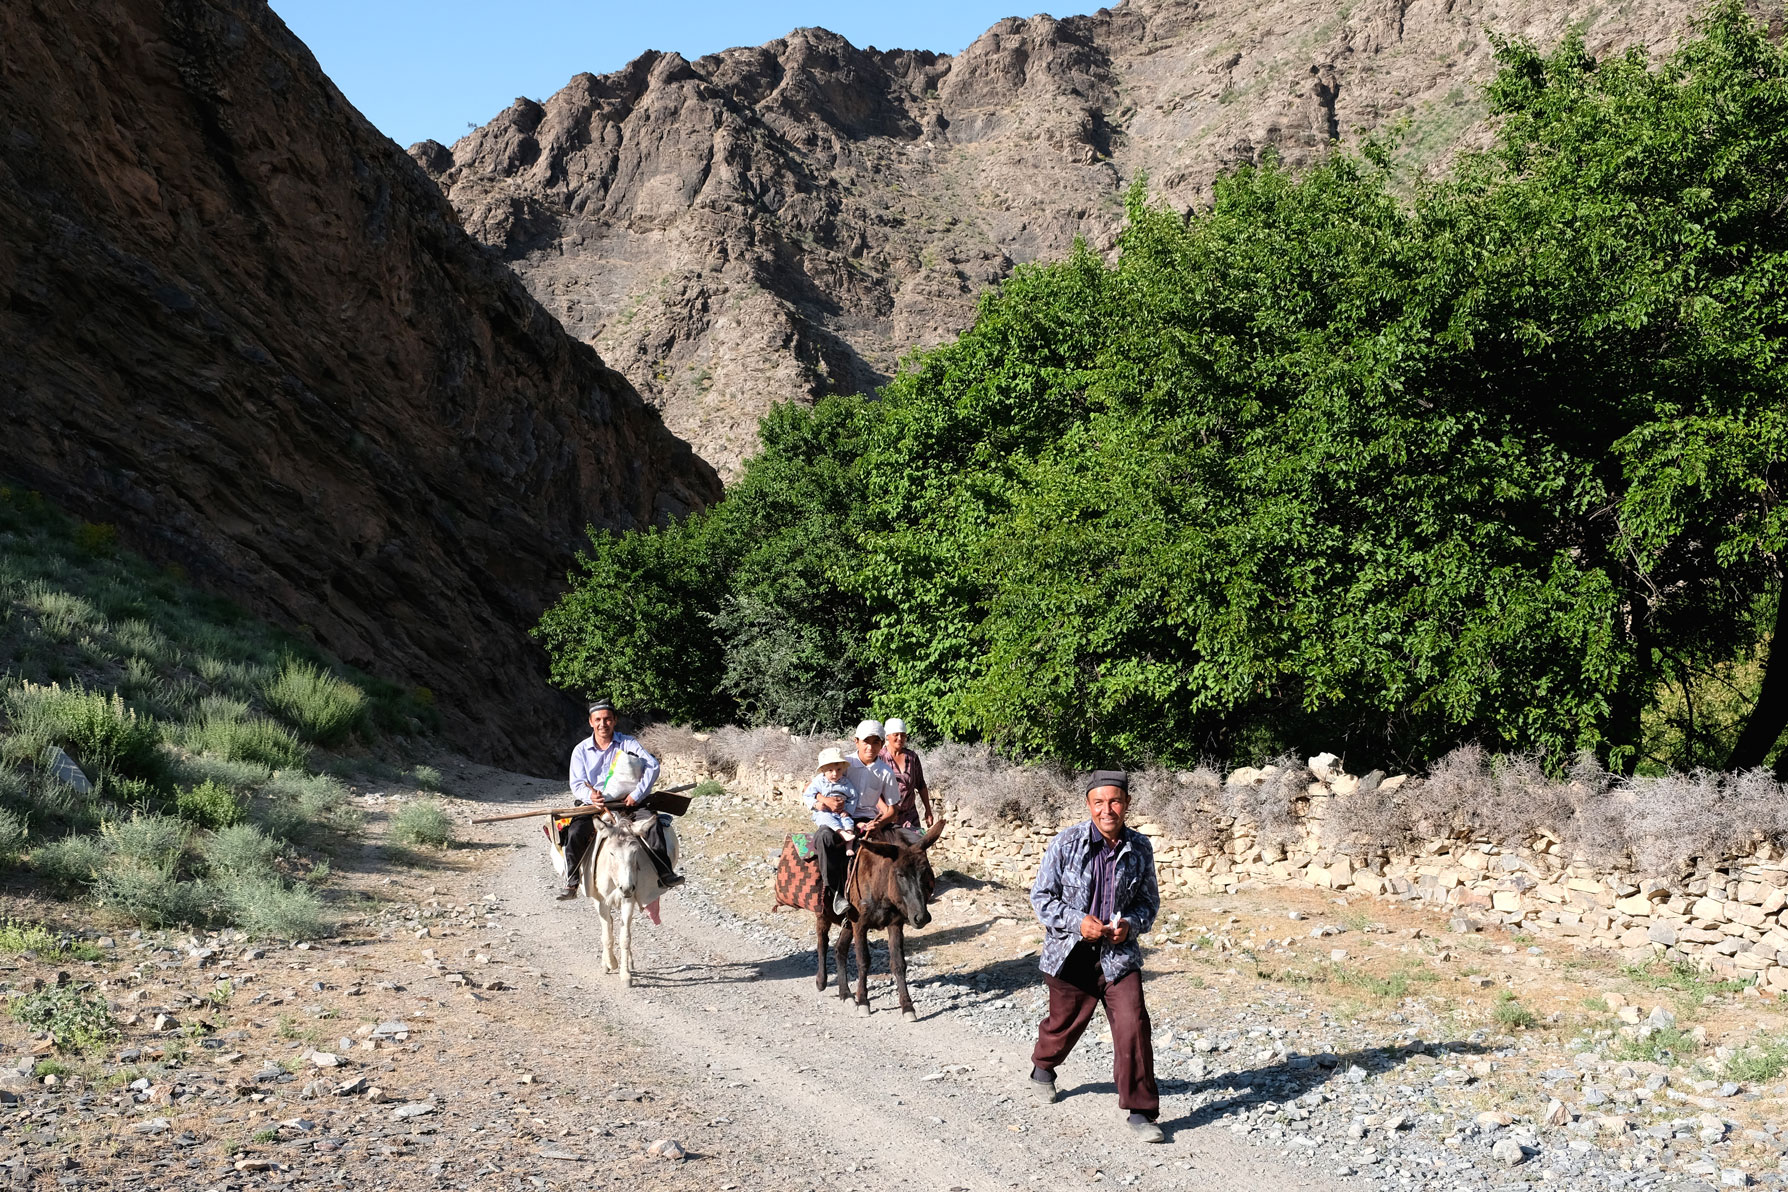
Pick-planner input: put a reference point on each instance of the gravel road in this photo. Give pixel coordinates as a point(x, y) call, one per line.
point(873, 1102)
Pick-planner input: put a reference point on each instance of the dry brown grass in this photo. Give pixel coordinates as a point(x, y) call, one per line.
point(1657, 826)
point(730, 750)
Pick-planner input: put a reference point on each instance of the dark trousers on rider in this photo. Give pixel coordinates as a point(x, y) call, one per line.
point(831, 856)
point(576, 841)
point(1074, 994)
point(580, 831)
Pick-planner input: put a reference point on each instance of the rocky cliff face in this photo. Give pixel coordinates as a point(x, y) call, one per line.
point(783, 222)
point(244, 327)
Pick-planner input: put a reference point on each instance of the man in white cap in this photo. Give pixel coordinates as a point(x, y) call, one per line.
point(878, 793)
point(914, 794)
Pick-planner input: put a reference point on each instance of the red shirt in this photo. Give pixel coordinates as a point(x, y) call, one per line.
point(911, 775)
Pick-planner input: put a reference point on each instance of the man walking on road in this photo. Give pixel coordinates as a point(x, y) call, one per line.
point(1095, 893)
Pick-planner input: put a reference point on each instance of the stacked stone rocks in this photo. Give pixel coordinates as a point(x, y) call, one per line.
point(1728, 916)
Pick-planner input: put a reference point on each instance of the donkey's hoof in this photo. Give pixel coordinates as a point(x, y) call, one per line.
point(910, 1015)
point(863, 1010)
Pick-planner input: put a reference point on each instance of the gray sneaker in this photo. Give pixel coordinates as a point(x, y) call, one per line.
point(1042, 1091)
point(1145, 1130)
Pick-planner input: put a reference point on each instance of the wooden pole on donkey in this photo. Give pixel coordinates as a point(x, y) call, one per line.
point(670, 800)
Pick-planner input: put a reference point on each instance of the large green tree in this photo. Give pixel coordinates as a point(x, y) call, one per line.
point(1327, 465)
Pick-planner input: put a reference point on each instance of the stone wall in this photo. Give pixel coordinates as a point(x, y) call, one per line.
point(1728, 918)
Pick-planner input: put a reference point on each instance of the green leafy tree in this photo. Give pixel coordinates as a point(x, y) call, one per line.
point(636, 626)
point(1323, 466)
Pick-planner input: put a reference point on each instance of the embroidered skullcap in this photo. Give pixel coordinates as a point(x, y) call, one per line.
point(1099, 778)
point(601, 705)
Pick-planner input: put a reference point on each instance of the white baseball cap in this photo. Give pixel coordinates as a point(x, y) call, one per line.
point(870, 728)
point(896, 725)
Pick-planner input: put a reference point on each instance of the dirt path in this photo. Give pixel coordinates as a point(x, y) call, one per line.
point(854, 1102)
point(458, 1034)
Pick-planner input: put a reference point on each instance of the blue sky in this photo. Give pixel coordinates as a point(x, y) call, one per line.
point(426, 69)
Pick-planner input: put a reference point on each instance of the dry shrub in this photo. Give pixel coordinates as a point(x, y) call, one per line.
point(1187, 803)
point(1372, 822)
point(672, 740)
point(1271, 802)
point(1655, 825)
point(730, 750)
point(1659, 826)
point(988, 787)
point(1703, 816)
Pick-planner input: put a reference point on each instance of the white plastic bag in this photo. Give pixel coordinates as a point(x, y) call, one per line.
point(623, 776)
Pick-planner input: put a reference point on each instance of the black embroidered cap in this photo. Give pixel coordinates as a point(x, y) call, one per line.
point(601, 705)
point(1099, 778)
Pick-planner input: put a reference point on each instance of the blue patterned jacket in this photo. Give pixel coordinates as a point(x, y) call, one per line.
point(1063, 892)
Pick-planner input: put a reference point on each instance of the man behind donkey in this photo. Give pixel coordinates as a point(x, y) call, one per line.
point(591, 763)
point(1095, 893)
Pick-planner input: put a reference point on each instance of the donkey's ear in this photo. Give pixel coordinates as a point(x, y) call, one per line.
point(880, 849)
point(936, 830)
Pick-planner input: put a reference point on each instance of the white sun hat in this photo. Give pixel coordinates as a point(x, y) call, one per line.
point(831, 756)
point(896, 725)
point(870, 728)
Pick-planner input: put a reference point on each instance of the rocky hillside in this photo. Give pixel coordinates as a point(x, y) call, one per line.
point(787, 221)
point(242, 326)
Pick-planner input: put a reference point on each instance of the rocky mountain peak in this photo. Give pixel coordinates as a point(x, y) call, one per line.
point(784, 221)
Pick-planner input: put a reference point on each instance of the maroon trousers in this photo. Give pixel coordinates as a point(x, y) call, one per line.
point(1073, 995)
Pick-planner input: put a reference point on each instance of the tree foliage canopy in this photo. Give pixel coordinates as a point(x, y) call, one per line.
point(1331, 464)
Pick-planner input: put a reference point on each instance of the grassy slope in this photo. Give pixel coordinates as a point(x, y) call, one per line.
point(201, 730)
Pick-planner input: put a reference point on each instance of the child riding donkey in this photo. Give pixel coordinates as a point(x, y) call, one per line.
point(874, 791)
point(831, 799)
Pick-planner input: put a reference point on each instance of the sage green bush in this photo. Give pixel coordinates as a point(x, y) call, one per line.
point(211, 804)
point(13, 834)
point(240, 850)
point(255, 740)
point(191, 719)
point(71, 860)
point(422, 822)
point(102, 735)
point(264, 907)
point(325, 708)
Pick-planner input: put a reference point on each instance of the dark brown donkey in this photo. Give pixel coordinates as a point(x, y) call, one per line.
point(887, 891)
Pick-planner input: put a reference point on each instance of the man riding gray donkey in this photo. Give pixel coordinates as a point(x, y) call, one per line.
point(593, 763)
point(1095, 893)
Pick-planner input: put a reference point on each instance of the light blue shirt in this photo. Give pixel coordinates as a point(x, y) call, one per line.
point(590, 767)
